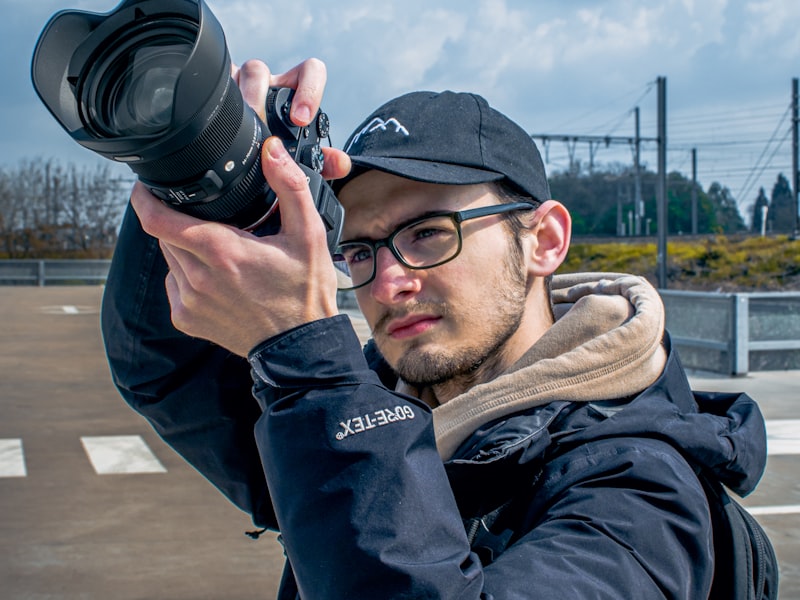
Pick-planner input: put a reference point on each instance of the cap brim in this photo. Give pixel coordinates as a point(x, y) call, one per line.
point(418, 170)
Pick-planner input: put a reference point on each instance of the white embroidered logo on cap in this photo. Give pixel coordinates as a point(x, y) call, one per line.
point(378, 124)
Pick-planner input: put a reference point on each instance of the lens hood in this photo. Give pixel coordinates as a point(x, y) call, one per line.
point(73, 44)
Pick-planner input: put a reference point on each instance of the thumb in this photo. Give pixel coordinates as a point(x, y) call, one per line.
point(290, 184)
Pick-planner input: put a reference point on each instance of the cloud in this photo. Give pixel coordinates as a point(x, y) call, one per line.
point(772, 26)
point(554, 66)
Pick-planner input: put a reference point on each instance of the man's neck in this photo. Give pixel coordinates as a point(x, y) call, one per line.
point(441, 393)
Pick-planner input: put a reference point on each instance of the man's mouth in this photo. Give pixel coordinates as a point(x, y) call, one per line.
point(411, 325)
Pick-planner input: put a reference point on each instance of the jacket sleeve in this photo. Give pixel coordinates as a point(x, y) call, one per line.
point(196, 395)
point(361, 496)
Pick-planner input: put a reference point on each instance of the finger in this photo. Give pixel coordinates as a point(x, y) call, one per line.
point(298, 213)
point(176, 295)
point(174, 263)
point(336, 165)
point(188, 273)
point(150, 210)
point(308, 78)
point(156, 218)
point(177, 228)
point(174, 280)
point(254, 82)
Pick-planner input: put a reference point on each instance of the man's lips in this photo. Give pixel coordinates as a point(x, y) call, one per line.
point(411, 325)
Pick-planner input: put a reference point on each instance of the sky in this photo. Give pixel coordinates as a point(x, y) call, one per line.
point(556, 67)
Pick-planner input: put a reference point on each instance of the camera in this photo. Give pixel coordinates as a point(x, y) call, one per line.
point(148, 84)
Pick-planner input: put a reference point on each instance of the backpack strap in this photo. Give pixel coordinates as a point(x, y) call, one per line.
point(745, 565)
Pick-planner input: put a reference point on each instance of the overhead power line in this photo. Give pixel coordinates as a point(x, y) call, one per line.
point(758, 168)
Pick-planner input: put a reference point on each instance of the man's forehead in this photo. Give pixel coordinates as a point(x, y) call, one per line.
point(376, 202)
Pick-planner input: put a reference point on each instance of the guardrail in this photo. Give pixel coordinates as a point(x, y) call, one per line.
point(733, 333)
point(47, 272)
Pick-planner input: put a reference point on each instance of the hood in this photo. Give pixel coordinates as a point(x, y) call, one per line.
point(606, 344)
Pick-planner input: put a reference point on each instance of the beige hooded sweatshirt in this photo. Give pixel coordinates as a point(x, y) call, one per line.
point(606, 344)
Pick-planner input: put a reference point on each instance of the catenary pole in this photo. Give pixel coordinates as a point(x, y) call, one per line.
point(694, 191)
point(795, 168)
point(637, 177)
point(661, 187)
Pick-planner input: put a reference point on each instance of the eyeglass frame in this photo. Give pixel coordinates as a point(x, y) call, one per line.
point(458, 217)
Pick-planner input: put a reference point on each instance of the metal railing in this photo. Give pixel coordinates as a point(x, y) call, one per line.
point(730, 333)
point(733, 333)
point(48, 272)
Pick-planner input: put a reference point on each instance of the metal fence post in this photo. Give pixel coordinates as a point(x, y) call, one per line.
point(40, 275)
point(740, 342)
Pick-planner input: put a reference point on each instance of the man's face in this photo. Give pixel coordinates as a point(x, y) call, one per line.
point(450, 321)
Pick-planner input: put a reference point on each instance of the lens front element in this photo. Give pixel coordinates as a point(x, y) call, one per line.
point(130, 89)
point(139, 102)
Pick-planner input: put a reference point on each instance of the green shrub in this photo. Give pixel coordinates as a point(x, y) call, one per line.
point(716, 263)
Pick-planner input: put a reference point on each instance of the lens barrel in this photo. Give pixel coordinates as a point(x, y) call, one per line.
point(148, 84)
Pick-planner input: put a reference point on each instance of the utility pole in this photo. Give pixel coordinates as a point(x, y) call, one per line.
point(661, 187)
point(795, 168)
point(637, 178)
point(694, 191)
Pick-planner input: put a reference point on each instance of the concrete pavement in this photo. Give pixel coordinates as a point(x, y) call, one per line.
point(78, 522)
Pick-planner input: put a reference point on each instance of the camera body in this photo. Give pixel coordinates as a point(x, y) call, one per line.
point(204, 196)
point(148, 85)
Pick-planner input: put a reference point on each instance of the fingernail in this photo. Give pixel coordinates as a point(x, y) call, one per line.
point(302, 114)
point(275, 147)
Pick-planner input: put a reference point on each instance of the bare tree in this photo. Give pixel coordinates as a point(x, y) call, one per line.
point(49, 210)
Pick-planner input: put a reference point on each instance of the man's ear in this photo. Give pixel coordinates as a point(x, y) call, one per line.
point(550, 232)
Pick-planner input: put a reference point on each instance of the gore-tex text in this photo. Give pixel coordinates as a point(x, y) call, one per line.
point(379, 418)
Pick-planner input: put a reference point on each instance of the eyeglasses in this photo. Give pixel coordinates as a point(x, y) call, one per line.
point(424, 243)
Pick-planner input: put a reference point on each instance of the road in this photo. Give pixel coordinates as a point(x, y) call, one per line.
point(93, 505)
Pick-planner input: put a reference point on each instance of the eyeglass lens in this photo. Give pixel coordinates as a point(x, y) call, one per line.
point(422, 244)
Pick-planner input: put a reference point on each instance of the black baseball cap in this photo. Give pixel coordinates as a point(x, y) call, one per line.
point(448, 138)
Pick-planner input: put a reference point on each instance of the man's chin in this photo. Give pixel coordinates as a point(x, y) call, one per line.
point(430, 365)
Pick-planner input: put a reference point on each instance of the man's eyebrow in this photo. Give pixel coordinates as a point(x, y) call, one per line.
point(401, 224)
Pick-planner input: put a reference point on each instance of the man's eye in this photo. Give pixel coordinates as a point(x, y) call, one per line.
point(428, 233)
point(357, 256)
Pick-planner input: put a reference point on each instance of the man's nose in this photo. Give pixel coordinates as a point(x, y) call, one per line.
point(393, 280)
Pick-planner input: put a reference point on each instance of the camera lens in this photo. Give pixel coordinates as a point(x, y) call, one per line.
point(149, 85)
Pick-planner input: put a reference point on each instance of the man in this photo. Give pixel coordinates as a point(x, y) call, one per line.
point(506, 434)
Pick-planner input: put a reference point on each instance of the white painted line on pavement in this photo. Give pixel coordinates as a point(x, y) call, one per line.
point(68, 309)
point(121, 454)
point(787, 509)
point(783, 436)
point(12, 459)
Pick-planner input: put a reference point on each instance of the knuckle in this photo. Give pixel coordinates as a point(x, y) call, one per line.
point(296, 180)
point(254, 68)
point(180, 317)
point(316, 63)
point(200, 282)
point(313, 78)
point(317, 66)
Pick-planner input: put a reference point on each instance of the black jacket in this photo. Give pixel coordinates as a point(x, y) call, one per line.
point(606, 503)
